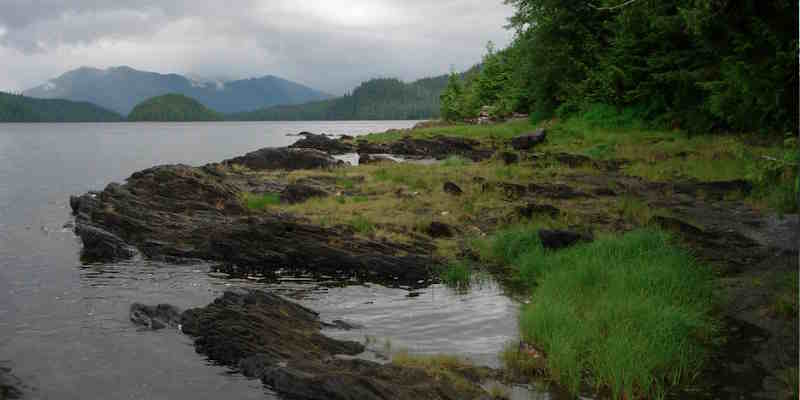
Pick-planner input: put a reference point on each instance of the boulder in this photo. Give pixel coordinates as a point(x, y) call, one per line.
point(101, 245)
point(452, 188)
point(528, 140)
point(299, 192)
point(285, 159)
point(155, 317)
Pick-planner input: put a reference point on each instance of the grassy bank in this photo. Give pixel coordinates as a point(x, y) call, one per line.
point(627, 314)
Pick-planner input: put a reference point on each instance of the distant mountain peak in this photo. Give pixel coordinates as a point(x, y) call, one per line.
point(120, 88)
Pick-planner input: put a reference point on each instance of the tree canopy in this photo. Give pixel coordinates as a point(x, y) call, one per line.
point(701, 65)
point(17, 108)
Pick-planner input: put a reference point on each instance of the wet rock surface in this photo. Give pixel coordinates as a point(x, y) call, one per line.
point(279, 342)
point(155, 317)
point(10, 386)
point(177, 212)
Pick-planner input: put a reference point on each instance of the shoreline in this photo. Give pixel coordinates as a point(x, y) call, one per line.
point(200, 212)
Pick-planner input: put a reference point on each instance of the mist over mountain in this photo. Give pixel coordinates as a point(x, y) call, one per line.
point(122, 88)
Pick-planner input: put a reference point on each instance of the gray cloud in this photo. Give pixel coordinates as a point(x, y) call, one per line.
point(328, 44)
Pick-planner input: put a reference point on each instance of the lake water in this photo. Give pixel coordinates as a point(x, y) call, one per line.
point(64, 327)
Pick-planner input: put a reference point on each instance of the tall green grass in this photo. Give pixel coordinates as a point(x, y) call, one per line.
point(625, 314)
point(457, 274)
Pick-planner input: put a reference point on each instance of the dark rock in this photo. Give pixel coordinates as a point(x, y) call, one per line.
point(155, 317)
point(558, 239)
point(715, 190)
point(299, 192)
point(343, 325)
point(322, 143)
point(280, 342)
point(528, 140)
point(101, 245)
point(438, 147)
point(284, 158)
point(531, 209)
point(11, 388)
point(509, 157)
point(452, 188)
point(605, 192)
point(346, 137)
point(439, 229)
point(373, 158)
point(178, 212)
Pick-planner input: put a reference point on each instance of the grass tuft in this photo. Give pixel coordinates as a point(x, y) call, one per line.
point(629, 312)
point(457, 274)
point(260, 202)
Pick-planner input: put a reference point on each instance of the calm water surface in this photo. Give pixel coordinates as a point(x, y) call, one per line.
point(64, 326)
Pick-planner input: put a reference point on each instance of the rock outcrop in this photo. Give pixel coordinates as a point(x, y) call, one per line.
point(285, 158)
point(177, 212)
point(279, 342)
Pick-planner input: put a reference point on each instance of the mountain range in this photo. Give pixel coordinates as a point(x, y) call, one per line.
point(122, 88)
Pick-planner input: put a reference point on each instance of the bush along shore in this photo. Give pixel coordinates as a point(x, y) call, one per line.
point(650, 263)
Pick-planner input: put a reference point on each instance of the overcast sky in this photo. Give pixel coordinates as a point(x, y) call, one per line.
point(331, 45)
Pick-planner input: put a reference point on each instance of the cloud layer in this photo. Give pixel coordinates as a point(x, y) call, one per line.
point(331, 45)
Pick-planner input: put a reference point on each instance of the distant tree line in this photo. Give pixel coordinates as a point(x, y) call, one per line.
point(376, 99)
point(18, 108)
point(701, 65)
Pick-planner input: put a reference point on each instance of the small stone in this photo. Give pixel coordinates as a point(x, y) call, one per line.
point(452, 188)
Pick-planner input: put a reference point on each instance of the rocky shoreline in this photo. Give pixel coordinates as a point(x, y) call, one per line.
point(178, 213)
point(279, 342)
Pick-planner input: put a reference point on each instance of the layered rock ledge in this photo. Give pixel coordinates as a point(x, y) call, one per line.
point(177, 213)
point(267, 337)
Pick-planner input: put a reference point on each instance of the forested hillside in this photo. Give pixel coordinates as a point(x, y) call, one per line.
point(17, 108)
point(372, 100)
point(173, 108)
point(700, 65)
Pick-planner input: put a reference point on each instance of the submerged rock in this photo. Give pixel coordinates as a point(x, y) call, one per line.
point(155, 317)
point(279, 342)
point(528, 140)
